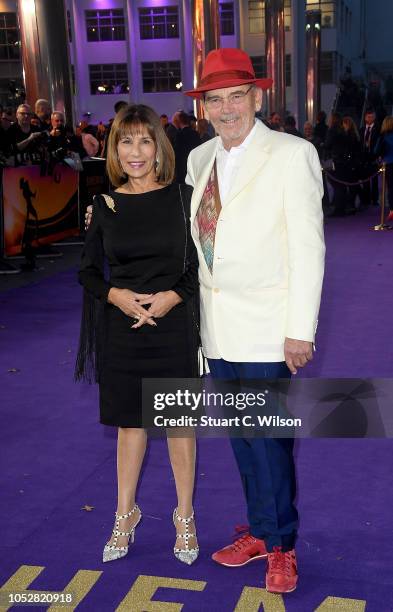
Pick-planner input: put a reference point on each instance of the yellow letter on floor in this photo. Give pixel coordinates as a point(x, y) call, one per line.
point(79, 586)
point(138, 598)
point(341, 604)
point(252, 598)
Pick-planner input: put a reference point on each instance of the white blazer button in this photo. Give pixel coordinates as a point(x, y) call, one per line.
point(216, 290)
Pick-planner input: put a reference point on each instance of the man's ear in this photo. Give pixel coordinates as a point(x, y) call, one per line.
point(258, 98)
point(205, 111)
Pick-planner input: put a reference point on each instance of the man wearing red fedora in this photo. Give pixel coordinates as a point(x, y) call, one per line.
point(256, 219)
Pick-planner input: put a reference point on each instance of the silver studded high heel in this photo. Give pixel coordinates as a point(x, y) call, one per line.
point(111, 551)
point(186, 555)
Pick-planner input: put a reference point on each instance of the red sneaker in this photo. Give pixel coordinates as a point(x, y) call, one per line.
point(281, 575)
point(245, 548)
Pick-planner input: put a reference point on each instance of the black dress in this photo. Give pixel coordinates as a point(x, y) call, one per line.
point(147, 246)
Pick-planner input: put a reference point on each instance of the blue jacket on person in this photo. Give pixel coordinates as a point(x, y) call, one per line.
point(384, 147)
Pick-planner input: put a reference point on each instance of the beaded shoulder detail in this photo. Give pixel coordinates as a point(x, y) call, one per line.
point(109, 201)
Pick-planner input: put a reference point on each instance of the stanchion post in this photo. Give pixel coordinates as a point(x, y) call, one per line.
point(383, 193)
point(382, 225)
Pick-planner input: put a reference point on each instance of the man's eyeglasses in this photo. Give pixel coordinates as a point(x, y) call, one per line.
point(235, 98)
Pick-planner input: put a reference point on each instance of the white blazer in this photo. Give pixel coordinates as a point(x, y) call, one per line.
point(269, 249)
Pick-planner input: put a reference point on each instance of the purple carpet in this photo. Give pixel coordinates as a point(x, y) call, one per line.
point(57, 459)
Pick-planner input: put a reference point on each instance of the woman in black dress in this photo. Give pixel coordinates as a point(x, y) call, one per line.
point(141, 321)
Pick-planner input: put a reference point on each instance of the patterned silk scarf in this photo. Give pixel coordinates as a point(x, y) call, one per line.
point(207, 216)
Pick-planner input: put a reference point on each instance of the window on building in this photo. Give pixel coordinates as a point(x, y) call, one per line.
point(161, 76)
point(260, 68)
point(227, 18)
point(159, 22)
point(108, 79)
point(288, 70)
point(69, 29)
point(328, 11)
point(287, 14)
point(328, 67)
point(9, 37)
point(259, 65)
point(256, 17)
point(10, 91)
point(105, 25)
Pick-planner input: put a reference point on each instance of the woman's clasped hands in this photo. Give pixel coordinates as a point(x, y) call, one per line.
point(160, 304)
point(132, 304)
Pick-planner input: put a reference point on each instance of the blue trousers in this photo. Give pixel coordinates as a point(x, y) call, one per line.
point(266, 466)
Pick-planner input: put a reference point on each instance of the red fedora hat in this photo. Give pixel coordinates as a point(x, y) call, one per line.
point(227, 68)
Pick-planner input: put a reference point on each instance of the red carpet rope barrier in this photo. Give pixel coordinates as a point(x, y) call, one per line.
point(382, 170)
point(353, 184)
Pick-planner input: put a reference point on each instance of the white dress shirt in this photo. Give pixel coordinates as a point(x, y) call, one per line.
point(228, 163)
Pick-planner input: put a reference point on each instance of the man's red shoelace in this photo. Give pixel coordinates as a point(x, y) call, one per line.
point(280, 561)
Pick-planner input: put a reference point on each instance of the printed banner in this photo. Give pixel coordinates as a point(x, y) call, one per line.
point(38, 209)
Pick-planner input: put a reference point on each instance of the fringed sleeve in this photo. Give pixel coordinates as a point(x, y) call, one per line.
point(95, 294)
point(187, 287)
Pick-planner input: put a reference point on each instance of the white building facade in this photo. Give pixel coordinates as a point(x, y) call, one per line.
point(140, 50)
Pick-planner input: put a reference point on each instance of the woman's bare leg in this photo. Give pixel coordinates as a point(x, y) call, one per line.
point(182, 457)
point(131, 447)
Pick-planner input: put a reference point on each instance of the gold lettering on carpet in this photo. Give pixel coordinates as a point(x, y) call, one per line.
point(138, 598)
point(252, 598)
point(341, 604)
point(19, 581)
point(79, 586)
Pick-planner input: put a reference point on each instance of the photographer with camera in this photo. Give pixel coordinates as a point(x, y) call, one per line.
point(23, 139)
point(62, 140)
point(56, 135)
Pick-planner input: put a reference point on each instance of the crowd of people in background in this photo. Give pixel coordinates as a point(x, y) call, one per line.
point(350, 157)
point(41, 136)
